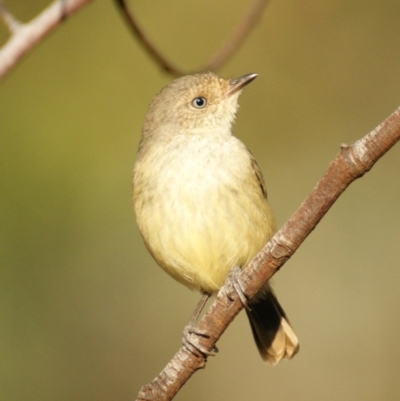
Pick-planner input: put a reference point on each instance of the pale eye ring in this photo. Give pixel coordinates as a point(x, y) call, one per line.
point(199, 102)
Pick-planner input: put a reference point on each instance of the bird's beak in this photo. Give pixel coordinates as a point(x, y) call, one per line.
point(239, 83)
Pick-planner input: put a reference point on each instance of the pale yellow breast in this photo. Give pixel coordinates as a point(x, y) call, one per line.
point(200, 208)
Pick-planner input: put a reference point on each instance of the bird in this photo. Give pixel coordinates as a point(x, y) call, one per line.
point(200, 198)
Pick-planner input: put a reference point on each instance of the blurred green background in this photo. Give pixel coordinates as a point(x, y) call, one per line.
point(85, 313)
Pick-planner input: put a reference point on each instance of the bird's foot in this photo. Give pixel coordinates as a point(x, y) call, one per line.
point(234, 284)
point(190, 339)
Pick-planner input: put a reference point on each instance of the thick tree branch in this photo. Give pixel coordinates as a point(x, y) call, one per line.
point(246, 24)
point(25, 36)
point(351, 163)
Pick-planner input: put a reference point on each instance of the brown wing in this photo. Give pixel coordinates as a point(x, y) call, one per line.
point(258, 173)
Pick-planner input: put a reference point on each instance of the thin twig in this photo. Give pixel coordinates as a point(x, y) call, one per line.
point(246, 24)
point(231, 45)
point(148, 46)
point(28, 35)
point(9, 20)
point(25, 36)
point(351, 163)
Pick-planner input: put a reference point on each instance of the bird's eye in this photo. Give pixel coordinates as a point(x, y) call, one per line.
point(199, 102)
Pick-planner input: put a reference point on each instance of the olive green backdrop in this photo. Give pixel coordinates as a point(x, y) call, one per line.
point(85, 313)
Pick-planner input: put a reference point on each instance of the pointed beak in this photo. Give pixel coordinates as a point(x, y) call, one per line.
point(239, 83)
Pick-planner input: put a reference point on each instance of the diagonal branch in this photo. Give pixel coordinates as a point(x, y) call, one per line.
point(351, 163)
point(246, 24)
point(25, 36)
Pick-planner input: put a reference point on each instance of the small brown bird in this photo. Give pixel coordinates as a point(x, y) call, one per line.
point(200, 198)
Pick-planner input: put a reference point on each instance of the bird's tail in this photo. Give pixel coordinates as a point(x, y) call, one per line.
point(272, 332)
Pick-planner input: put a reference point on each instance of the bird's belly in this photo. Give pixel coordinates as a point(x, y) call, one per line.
point(198, 220)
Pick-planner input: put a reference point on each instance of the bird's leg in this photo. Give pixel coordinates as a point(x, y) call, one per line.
point(234, 284)
point(189, 341)
point(199, 307)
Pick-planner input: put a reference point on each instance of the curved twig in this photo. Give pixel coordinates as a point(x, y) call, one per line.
point(226, 51)
point(351, 163)
point(246, 24)
point(26, 35)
